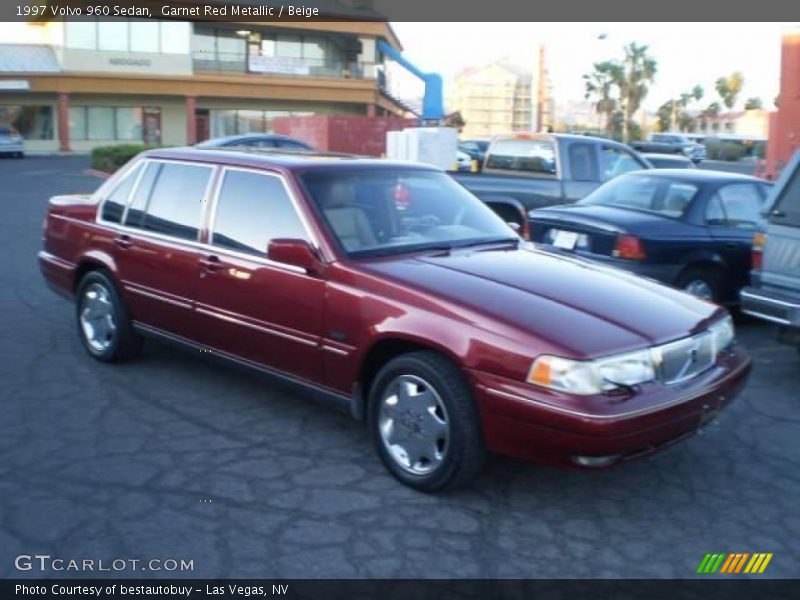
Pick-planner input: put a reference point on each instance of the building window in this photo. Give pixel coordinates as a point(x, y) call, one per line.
point(122, 123)
point(100, 123)
point(31, 122)
point(113, 35)
point(128, 36)
point(144, 36)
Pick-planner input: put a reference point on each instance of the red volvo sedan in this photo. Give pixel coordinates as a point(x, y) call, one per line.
point(391, 291)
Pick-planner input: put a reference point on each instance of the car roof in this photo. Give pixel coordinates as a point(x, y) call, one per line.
point(699, 176)
point(278, 159)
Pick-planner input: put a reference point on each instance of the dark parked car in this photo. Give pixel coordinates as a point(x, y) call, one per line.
point(11, 142)
point(670, 161)
point(690, 229)
point(257, 140)
point(774, 294)
point(389, 290)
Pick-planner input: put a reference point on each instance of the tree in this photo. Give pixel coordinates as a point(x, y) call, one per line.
point(600, 85)
point(753, 103)
point(620, 86)
point(729, 88)
point(673, 114)
point(638, 73)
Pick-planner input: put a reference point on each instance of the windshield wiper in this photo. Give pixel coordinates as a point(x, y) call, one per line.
point(505, 240)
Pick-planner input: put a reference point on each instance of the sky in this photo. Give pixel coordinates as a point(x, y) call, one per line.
point(687, 53)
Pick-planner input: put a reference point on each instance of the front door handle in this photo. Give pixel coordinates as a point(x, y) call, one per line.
point(211, 263)
point(124, 241)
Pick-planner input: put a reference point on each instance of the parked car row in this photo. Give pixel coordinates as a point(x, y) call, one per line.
point(391, 291)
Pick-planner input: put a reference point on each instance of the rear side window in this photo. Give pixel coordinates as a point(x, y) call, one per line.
point(786, 210)
point(175, 207)
point(114, 205)
point(581, 162)
point(737, 205)
point(532, 156)
point(252, 209)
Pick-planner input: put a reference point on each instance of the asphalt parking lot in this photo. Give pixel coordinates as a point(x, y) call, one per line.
point(172, 456)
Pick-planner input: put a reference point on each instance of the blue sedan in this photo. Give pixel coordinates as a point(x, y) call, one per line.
point(690, 229)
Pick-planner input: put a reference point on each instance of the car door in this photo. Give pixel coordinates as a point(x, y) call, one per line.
point(732, 214)
point(247, 305)
point(782, 250)
point(156, 249)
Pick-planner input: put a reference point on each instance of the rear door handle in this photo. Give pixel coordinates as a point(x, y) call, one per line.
point(123, 241)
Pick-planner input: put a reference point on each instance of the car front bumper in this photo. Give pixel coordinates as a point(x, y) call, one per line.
point(527, 422)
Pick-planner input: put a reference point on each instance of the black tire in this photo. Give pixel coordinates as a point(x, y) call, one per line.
point(124, 343)
point(465, 450)
point(705, 276)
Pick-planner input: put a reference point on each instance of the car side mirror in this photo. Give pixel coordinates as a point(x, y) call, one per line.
point(294, 252)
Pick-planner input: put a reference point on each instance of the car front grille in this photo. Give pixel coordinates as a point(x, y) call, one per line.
point(683, 359)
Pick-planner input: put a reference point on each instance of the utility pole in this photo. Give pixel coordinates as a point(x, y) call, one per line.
point(541, 88)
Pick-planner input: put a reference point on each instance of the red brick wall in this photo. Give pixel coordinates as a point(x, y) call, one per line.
point(784, 130)
point(353, 134)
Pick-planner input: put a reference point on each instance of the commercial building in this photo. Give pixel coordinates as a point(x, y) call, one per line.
point(784, 126)
point(492, 99)
point(752, 124)
point(76, 85)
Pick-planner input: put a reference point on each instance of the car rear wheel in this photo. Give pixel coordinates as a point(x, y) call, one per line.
point(103, 322)
point(702, 283)
point(424, 422)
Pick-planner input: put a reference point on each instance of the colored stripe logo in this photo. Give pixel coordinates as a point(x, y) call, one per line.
point(734, 562)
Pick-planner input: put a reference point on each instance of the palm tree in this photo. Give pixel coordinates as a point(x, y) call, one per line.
point(753, 103)
point(638, 72)
point(729, 88)
point(599, 85)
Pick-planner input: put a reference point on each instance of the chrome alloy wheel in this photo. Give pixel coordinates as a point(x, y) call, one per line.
point(97, 318)
point(699, 288)
point(413, 424)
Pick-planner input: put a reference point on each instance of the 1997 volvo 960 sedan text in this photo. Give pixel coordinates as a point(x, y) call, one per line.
point(390, 290)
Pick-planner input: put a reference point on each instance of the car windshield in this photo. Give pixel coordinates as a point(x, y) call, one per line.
point(390, 211)
point(660, 195)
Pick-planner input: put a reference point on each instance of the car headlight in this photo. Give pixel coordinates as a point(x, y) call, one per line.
point(589, 377)
point(723, 333)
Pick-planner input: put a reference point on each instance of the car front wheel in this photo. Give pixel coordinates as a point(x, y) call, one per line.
point(424, 422)
point(103, 322)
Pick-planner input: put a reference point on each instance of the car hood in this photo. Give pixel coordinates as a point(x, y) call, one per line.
point(578, 307)
point(606, 218)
